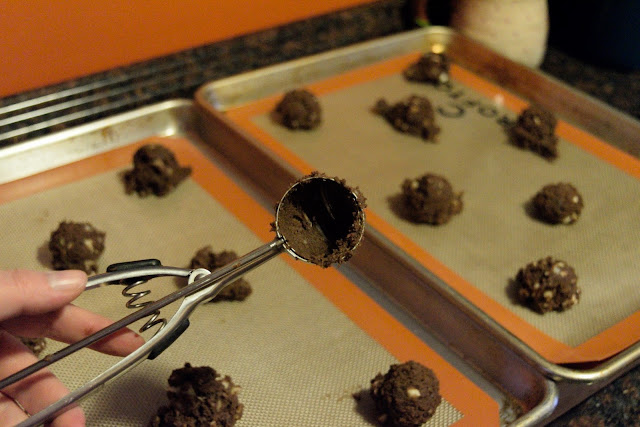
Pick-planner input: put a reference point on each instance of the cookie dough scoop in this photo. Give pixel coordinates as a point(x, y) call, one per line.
point(318, 220)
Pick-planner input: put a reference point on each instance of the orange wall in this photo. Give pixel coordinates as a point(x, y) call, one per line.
point(48, 41)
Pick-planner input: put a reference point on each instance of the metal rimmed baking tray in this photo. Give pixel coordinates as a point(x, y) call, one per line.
point(59, 176)
point(497, 90)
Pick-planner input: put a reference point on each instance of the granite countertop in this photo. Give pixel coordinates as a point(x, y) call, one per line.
point(39, 112)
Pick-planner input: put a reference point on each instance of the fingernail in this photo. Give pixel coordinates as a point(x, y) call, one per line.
point(66, 279)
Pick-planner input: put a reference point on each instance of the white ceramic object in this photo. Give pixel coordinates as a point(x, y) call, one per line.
point(517, 29)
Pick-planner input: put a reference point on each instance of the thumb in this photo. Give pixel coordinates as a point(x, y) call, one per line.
point(24, 292)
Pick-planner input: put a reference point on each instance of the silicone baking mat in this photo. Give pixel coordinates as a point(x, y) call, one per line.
point(299, 347)
point(479, 252)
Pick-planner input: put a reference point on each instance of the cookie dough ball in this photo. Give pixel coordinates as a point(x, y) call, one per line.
point(199, 396)
point(155, 171)
point(206, 258)
point(413, 115)
point(77, 246)
point(430, 199)
point(558, 203)
point(299, 109)
point(535, 130)
point(430, 68)
point(36, 345)
point(548, 284)
point(407, 395)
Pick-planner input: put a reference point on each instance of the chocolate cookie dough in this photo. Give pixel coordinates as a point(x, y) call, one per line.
point(558, 203)
point(298, 109)
point(199, 396)
point(155, 171)
point(321, 219)
point(430, 68)
point(535, 130)
point(430, 199)
point(76, 245)
point(36, 345)
point(407, 395)
point(413, 115)
point(206, 258)
point(548, 284)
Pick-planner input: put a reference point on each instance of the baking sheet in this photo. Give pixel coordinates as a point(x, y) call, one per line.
point(299, 346)
point(480, 251)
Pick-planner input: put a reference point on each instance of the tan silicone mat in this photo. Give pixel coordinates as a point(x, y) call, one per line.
point(300, 346)
point(480, 251)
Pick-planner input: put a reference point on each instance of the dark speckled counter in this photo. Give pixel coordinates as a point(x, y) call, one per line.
point(620, 89)
point(39, 112)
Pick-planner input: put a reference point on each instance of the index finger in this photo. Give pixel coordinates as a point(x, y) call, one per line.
point(71, 324)
point(24, 292)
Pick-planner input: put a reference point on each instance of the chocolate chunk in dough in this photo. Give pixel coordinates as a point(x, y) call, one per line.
point(548, 284)
point(430, 199)
point(430, 68)
point(298, 109)
point(155, 171)
point(407, 395)
point(76, 245)
point(199, 396)
point(535, 130)
point(321, 219)
point(238, 290)
point(36, 345)
point(558, 203)
point(413, 115)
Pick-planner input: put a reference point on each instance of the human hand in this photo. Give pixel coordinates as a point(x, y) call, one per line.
point(37, 304)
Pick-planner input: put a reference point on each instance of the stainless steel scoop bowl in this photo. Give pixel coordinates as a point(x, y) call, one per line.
point(320, 220)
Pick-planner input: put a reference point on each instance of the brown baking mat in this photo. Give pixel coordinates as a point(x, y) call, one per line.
point(300, 346)
point(479, 252)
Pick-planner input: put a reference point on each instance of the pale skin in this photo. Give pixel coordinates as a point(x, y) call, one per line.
point(38, 304)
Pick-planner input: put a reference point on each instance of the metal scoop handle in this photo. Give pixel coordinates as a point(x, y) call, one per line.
point(202, 286)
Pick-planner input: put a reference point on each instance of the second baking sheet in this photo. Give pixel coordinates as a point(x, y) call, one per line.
point(480, 251)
